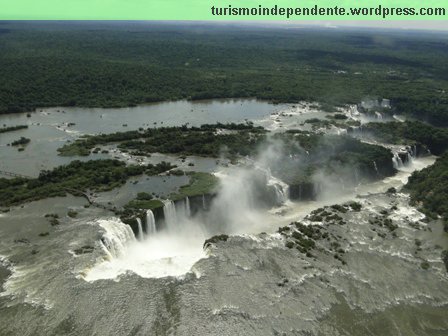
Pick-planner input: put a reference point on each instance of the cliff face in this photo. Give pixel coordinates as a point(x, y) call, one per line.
point(378, 169)
point(197, 203)
point(306, 191)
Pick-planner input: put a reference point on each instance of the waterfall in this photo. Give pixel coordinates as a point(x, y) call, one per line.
point(281, 188)
point(379, 116)
point(150, 223)
point(140, 229)
point(116, 236)
point(409, 154)
point(356, 175)
point(376, 168)
point(187, 207)
point(280, 194)
point(203, 202)
point(317, 189)
point(170, 214)
point(397, 162)
point(342, 184)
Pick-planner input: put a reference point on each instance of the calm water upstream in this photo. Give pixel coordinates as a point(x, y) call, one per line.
point(49, 130)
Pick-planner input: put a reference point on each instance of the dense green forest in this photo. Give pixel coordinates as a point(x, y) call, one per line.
point(303, 152)
point(120, 64)
point(408, 133)
point(237, 139)
point(429, 189)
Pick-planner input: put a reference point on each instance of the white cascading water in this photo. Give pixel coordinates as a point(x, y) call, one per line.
point(410, 157)
point(317, 189)
point(203, 202)
point(173, 250)
point(140, 229)
point(187, 207)
point(169, 252)
point(342, 183)
point(170, 214)
point(235, 210)
point(379, 116)
point(116, 236)
point(281, 188)
point(397, 162)
point(150, 223)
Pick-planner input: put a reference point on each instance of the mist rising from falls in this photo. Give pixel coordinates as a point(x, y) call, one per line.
point(397, 162)
point(170, 215)
point(151, 228)
point(170, 251)
point(280, 187)
point(237, 208)
point(246, 192)
point(169, 246)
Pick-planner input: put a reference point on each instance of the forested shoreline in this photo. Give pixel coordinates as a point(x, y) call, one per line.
point(119, 66)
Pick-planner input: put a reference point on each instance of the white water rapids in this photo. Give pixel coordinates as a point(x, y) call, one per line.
point(160, 254)
point(173, 250)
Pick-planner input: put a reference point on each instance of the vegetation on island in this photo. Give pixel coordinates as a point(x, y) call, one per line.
point(206, 140)
point(336, 120)
point(409, 133)
point(144, 204)
point(77, 176)
point(12, 128)
point(304, 152)
point(200, 184)
point(45, 64)
point(429, 189)
point(144, 201)
point(21, 142)
point(352, 160)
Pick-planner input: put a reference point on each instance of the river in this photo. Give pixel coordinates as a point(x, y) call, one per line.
point(251, 284)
